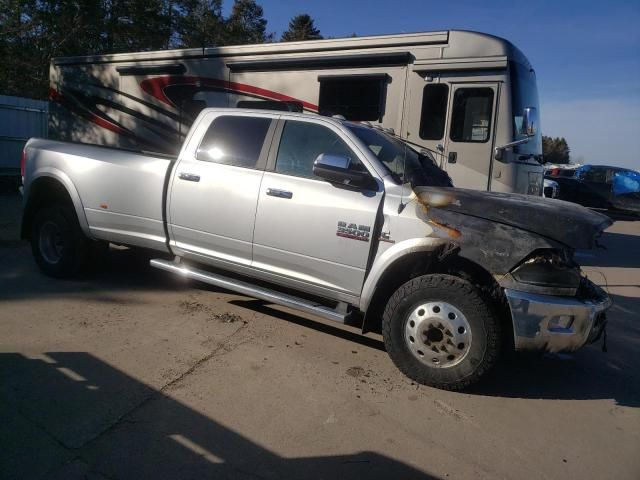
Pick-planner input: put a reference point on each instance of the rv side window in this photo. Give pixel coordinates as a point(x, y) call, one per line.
point(434, 111)
point(357, 98)
point(234, 140)
point(471, 115)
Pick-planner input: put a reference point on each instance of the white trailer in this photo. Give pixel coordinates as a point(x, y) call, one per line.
point(461, 95)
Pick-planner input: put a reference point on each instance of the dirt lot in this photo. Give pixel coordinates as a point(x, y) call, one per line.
point(131, 373)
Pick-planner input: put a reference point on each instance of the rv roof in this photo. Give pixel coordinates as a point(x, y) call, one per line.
point(457, 43)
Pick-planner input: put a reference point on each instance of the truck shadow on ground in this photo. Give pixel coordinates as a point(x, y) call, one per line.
point(264, 308)
point(68, 415)
point(124, 270)
point(587, 374)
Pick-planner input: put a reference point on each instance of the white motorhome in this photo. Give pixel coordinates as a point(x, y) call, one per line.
point(459, 95)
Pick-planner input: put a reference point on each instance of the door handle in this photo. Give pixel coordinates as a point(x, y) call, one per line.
point(189, 177)
point(453, 157)
point(274, 192)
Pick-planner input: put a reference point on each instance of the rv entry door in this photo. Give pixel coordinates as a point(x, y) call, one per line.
point(470, 136)
point(455, 121)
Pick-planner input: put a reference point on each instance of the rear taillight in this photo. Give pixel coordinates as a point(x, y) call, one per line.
point(23, 161)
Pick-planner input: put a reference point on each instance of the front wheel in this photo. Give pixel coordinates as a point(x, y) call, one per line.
point(441, 332)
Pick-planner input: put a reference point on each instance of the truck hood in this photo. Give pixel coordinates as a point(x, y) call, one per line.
point(568, 223)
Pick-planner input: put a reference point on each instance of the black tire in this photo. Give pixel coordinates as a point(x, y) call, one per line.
point(481, 352)
point(60, 248)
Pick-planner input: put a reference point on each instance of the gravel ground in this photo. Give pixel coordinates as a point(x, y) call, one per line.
point(132, 373)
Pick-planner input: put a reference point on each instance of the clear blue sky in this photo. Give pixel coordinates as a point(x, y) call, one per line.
point(586, 55)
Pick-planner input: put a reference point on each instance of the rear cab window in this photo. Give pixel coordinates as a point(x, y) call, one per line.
point(234, 140)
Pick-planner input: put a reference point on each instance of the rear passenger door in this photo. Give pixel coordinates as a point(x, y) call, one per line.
point(303, 222)
point(215, 188)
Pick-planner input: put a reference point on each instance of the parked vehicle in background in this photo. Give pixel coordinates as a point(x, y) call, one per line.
point(598, 186)
point(551, 189)
point(461, 95)
point(334, 218)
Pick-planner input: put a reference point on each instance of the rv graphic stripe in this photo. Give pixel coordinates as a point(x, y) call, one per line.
point(156, 87)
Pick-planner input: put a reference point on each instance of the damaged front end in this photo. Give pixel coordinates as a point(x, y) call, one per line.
point(558, 323)
point(527, 245)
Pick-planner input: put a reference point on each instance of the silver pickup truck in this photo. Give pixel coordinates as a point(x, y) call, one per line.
point(335, 218)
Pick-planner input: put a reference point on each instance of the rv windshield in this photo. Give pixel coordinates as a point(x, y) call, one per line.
point(524, 93)
point(404, 163)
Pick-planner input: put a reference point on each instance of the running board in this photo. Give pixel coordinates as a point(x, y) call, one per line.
point(249, 289)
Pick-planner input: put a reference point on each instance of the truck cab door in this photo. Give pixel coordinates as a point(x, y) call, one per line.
point(312, 234)
point(215, 185)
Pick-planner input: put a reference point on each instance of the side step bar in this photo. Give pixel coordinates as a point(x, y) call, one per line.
point(249, 289)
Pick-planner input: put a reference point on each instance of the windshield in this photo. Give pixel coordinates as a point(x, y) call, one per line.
point(524, 93)
point(404, 163)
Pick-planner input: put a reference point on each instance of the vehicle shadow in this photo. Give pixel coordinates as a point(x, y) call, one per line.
point(351, 335)
point(68, 415)
point(587, 374)
point(122, 272)
point(620, 250)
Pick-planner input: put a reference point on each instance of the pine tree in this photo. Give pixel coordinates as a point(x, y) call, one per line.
point(136, 25)
point(247, 24)
point(199, 23)
point(301, 27)
point(31, 33)
point(556, 150)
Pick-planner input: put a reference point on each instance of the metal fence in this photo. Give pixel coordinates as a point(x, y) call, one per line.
point(20, 119)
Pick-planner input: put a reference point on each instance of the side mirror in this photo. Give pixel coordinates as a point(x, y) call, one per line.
point(530, 122)
point(529, 128)
point(337, 169)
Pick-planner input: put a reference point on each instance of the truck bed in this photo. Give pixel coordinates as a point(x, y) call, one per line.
point(121, 191)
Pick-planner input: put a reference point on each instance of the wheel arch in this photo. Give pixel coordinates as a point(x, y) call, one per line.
point(428, 258)
point(50, 186)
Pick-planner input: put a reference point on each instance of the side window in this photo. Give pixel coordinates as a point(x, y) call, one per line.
point(595, 175)
point(471, 115)
point(302, 142)
point(434, 111)
point(358, 97)
point(234, 140)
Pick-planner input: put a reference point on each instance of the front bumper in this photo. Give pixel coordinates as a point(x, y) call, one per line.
point(554, 324)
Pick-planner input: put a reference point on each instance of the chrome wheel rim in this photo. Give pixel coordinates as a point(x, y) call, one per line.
point(51, 242)
point(438, 334)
